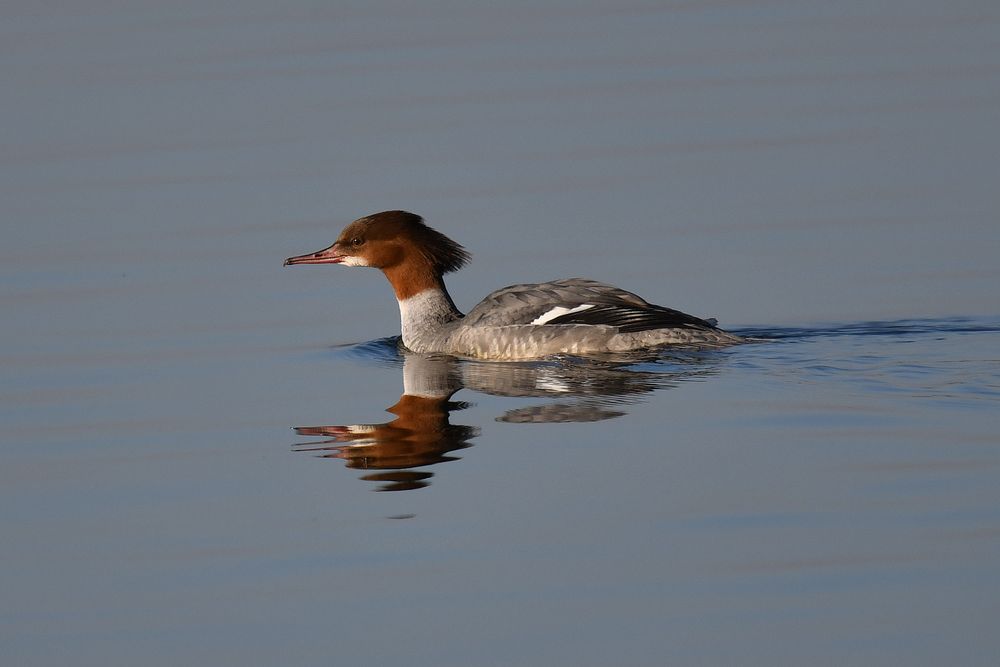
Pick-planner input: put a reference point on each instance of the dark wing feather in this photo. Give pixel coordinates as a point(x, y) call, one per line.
point(612, 306)
point(629, 319)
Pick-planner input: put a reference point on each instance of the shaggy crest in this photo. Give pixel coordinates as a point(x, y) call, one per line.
point(443, 254)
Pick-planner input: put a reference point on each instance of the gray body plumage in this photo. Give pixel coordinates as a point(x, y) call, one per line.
point(571, 316)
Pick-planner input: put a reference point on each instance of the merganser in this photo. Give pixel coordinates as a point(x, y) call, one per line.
point(570, 316)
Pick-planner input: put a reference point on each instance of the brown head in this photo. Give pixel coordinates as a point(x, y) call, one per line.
point(412, 255)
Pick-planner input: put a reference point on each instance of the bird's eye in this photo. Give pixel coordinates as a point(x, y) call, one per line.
point(357, 241)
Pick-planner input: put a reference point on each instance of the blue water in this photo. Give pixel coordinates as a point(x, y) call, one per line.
point(201, 464)
point(834, 485)
point(880, 368)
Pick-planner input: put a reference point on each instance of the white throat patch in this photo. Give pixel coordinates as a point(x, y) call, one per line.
point(354, 260)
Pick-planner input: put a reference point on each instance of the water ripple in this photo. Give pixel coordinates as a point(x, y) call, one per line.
point(877, 328)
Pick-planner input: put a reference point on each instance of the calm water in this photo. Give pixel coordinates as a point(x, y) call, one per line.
point(201, 464)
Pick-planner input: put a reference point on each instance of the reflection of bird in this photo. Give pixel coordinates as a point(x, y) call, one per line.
point(572, 316)
point(422, 434)
point(588, 390)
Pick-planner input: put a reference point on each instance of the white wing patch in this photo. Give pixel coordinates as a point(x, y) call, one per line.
point(559, 311)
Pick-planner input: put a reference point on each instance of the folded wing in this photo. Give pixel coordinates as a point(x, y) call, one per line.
point(577, 301)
